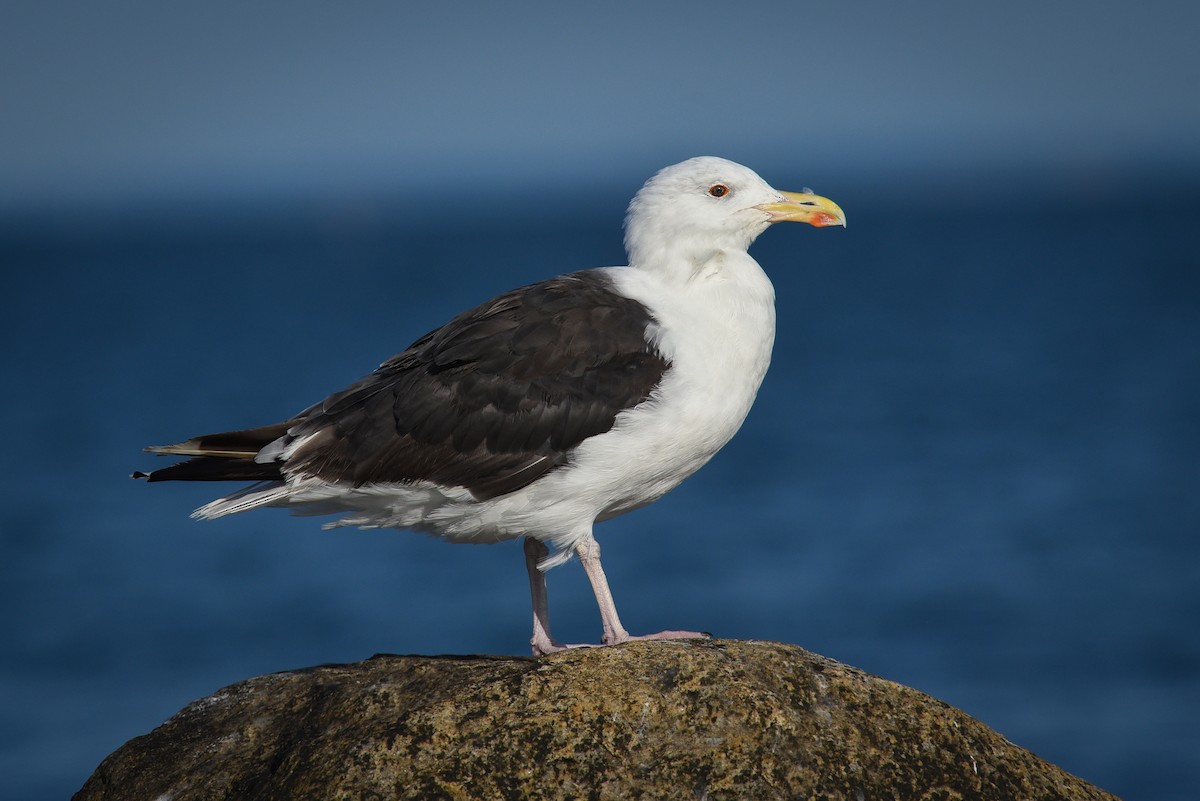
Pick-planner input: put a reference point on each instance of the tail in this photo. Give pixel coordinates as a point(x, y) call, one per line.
point(229, 456)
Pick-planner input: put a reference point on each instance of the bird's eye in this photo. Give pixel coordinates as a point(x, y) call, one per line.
point(718, 190)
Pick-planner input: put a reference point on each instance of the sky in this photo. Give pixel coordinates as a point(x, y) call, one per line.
point(136, 101)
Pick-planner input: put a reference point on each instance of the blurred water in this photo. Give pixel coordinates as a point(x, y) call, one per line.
point(972, 469)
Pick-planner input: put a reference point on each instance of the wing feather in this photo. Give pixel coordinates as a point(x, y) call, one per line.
point(491, 401)
point(494, 399)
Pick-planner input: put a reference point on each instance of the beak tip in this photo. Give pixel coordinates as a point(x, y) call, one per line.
point(824, 219)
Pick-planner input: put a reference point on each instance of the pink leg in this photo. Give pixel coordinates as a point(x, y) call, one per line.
point(614, 632)
point(543, 641)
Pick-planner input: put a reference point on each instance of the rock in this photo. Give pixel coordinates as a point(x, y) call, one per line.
point(694, 719)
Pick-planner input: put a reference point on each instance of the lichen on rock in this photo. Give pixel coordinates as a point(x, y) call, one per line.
point(696, 719)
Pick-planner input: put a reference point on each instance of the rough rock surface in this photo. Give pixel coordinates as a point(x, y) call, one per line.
point(693, 719)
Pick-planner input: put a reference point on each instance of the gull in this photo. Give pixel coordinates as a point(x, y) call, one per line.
point(551, 407)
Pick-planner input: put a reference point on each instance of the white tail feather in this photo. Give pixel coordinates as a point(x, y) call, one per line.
point(252, 497)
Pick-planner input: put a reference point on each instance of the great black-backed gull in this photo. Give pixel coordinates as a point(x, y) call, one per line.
point(551, 407)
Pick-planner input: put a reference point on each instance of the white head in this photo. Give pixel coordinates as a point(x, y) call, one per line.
point(705, 204)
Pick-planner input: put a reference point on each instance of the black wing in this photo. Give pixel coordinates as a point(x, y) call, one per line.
point(491, 401)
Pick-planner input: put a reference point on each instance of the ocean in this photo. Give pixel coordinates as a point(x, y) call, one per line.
point(974, 467)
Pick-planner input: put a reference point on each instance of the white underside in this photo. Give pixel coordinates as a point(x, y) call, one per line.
point(716, 328)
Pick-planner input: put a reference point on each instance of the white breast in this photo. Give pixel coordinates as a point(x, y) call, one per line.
point(716, 329)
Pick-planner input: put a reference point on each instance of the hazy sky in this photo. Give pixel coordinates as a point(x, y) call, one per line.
point(150, 99)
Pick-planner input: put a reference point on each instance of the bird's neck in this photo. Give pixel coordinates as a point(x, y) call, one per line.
point(691, 267)
point(685, 251)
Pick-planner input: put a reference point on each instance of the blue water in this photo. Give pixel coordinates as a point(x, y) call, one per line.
point(974, 469)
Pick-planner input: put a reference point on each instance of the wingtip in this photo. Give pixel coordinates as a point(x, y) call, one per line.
point(195, 447)
point(139, 474)
point(165, 450)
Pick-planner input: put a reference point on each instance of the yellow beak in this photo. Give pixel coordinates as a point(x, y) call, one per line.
point(801, 207)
